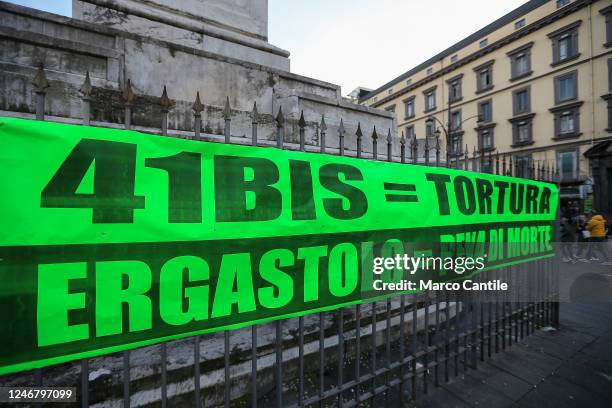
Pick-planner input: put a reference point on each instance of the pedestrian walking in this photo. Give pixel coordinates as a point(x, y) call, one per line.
point(597, 228)
point(583, 236)
point(568, 238)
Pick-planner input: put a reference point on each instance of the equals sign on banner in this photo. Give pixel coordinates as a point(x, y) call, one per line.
point(398, 192)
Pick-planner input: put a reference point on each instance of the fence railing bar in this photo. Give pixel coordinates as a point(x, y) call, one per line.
point(457, 330)
point(196, 371)
point(254, 366)
point(426, 343)
point(415, 339)
point(435, 340)
point(515, 308)
point(279, 363)
point(359, 135)
point(302, 131)
point(402, 347)
point(523, 314)
point(340, 355)
point(40, 86)
point(226, 369)
point(126, 379)
point(323, 128)
point(373, 366)
point(128, 101)
point(280, 128)
point(164, 375)
point(374, 144)
point(321, 356)
point(301, 360)
point(38, 379)
point(227, 119)
point(500, 324)
point(85, 383)
point(165, 104)
point(389, 146)
point(341, 132)
point(507, 306)
point(197, 108)
point(388, 348)
point(464, 329)
point(475, 332)
point(482, 336)
point(446, 336)
point(357, 351)
point(541, 291)
point(85, 91)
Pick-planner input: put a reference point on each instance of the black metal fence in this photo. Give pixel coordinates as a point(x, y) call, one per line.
point(383, 352)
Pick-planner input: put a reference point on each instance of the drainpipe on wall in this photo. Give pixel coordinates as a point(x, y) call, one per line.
point(591, 63)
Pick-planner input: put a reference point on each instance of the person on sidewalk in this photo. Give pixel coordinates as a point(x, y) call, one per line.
point(583, 236)
point(568, 237)
point(597, 227)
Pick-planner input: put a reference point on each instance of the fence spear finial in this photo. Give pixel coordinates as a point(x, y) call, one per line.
point(389, 146)
point(254, 122)
point(197, 106)
point(415, 149)
point(302, 131)
point(86, 88)
point(341, 132)
point(227, 110)
point(227, 119)
point(280, 128)
point(164, 101)
point(323, 128)
point(359, 135)
point(40, 80)
point(403, 147)
point(254, 113)
point(280, 119)
point(165, 104)
point(85, 91)
point(128, 94)
point(374, 144)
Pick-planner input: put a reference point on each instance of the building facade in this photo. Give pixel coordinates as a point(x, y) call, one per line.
point(534, 86)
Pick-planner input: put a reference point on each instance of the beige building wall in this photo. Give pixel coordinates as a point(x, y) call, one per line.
point(591, 66)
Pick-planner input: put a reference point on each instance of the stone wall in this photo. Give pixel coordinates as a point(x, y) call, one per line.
point(68, 48)
point(202, 24)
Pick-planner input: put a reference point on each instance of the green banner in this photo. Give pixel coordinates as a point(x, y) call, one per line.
point(114, 239)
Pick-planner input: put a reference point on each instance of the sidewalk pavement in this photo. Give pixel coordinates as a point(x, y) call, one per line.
point(569, 367)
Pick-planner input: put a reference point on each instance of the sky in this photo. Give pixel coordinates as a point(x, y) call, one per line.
point(361, 42)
